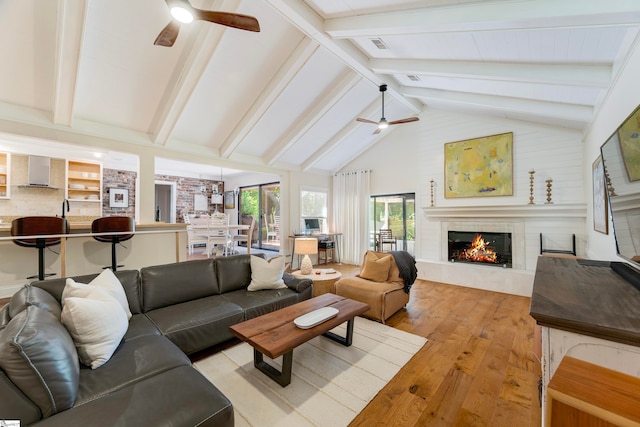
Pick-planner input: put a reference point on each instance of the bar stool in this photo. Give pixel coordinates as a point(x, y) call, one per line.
point(113, 224)
point(39, 226)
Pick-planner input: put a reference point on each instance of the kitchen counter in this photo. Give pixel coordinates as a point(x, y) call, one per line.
point(79, 253)
point(586, 297)
point(83, 226)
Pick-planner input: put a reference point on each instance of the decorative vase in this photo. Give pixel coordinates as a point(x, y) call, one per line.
point(306, 267)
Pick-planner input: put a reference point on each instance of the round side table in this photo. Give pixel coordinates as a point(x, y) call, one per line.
point(323, 283)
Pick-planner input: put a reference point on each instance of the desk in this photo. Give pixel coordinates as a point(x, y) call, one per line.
point(331, 236)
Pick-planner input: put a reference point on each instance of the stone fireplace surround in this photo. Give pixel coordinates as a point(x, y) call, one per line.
point(525, 223)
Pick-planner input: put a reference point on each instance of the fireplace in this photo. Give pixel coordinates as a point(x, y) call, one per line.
point(479, 247)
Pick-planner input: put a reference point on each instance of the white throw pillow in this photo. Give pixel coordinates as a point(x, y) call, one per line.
point(266, 273)
point(105, 280)
point(97, 324)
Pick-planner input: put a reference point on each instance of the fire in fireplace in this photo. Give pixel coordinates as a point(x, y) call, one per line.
point(480, 247)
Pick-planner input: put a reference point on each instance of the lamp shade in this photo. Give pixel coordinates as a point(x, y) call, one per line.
point(306, 246)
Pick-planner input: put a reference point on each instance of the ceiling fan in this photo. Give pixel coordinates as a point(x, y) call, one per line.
point(183, 12)
point(383, 123)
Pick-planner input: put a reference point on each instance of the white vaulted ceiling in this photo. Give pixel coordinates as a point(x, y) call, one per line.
point(288, 96)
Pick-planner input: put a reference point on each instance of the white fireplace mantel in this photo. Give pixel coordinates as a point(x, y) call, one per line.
point(574, 210)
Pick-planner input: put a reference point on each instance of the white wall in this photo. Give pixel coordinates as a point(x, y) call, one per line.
point(622, 100)
point(409, 157)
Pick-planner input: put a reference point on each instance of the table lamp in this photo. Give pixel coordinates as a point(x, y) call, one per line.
point(306, 246)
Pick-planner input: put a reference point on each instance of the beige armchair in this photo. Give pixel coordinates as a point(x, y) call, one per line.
point(379, 284)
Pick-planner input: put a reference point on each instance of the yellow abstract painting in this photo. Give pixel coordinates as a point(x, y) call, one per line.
point(479, 167)
point(629, 137)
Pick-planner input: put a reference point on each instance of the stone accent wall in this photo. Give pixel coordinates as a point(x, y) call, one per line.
point(113, 178)
point(186, 188)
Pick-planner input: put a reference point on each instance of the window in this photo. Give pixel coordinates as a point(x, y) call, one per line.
point(313, 210)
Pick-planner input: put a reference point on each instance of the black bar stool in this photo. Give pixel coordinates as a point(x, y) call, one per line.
point(113, 224)
point(39, 226)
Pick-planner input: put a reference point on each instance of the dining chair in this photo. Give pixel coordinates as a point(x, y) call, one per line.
point(272, 233)
point(240, 237)
point(197, 232)
point(386, 238)
point(219, 234)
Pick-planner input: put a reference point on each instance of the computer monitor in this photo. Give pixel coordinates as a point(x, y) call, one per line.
point(311, 225)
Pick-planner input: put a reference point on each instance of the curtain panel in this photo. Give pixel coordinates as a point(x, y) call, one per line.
point(351, 213)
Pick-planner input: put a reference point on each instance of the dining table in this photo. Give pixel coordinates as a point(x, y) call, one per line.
point(209, 230)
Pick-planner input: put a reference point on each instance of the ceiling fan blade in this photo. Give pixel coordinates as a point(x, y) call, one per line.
point(407, 120)
point(377, 131)
point(234, 20)
point(366, 121)
point(168, 35)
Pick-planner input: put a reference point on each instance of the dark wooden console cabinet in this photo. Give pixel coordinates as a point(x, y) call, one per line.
point(588, 312)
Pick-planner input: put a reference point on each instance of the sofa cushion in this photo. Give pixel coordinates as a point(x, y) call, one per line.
point(14, 405)
point(134, 361)
point(38, 355)
point(234, 272)
point(165, 285)
point(128, 278)
point(198, 324)
point(4, 316)
point(107, 281)
point(178, 397)
point(140, 326)
point(262, 302)
point(375, 268)
point(266, 273)
point(31, 295)
point(96, 322)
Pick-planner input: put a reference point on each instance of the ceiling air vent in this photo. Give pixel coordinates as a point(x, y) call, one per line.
point(413, 77)
point(379, 44)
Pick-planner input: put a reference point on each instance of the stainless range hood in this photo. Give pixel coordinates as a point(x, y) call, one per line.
point(39, 171)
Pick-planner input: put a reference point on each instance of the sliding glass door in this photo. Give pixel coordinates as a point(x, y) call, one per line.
point(392, 222)
point(262, 203)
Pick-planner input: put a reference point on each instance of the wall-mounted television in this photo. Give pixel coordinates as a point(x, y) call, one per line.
point(621, 163)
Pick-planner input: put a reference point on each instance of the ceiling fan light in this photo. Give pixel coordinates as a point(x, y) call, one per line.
point(383, 124)
point(182, 14)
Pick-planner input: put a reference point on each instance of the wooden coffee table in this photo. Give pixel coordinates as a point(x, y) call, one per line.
point(274, 334)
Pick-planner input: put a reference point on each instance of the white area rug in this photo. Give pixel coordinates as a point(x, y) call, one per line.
point(330, 383)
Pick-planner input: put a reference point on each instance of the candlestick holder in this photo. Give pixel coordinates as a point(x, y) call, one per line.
point(431, 182)
point(549, 184)
point(531, 173)
point(611, 190)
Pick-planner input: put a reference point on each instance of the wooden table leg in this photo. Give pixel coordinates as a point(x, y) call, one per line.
point(347, 339)
point(281, 377)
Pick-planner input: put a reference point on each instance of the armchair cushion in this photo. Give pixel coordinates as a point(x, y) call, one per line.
point(384, 297)
point(376, 268)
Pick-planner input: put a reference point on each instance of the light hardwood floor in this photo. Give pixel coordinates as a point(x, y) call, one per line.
point(477, 369)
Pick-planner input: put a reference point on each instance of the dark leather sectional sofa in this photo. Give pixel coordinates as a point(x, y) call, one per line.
point(178, 309)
